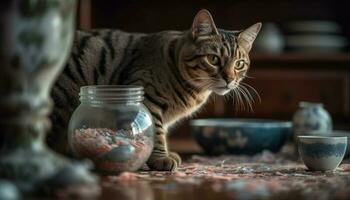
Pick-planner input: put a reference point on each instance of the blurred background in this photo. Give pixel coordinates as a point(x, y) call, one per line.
point(301, 54)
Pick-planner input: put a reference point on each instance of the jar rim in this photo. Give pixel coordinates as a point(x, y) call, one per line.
point(111, 93)
point(112, 87)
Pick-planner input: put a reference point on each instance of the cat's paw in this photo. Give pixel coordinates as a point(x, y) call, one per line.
point(176, 157)
point(164, 163)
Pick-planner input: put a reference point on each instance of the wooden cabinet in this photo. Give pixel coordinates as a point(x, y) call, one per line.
point(282, 89)
point(284, 80)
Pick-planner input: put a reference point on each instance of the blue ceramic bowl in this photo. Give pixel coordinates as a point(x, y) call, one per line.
point(240, 136)
point(322, 153)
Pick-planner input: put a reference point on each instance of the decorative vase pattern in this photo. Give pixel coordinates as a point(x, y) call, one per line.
point(311, 119)
point(35, 40)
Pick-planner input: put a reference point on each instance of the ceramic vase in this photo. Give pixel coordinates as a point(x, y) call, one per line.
point(270, 39)
point(35, 40)
point(311, 119)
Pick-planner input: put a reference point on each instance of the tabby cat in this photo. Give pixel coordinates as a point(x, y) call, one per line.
point(178, 70)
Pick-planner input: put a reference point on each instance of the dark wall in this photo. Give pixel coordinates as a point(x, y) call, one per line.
point(157, 15)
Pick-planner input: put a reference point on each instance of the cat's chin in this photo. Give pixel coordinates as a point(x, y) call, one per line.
point(221, 91)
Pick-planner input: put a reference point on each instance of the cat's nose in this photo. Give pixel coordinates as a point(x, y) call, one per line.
point(227, 79)
point(228, 75)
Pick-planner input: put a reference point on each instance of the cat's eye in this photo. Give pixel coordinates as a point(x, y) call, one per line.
point(239, 64)
point(213, 59)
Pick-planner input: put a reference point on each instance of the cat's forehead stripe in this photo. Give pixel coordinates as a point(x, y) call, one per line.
point(228, 47)
point(228, 36)
point(229, 40)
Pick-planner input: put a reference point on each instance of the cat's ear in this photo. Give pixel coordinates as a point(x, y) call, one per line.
point(247, 36)
point(203, 24)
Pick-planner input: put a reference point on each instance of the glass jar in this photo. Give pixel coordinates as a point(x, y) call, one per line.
point(112, 128)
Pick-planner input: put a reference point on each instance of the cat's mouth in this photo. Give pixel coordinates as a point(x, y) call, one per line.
point(221, 90)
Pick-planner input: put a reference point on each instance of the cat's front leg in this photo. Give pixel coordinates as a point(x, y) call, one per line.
point(161, 159)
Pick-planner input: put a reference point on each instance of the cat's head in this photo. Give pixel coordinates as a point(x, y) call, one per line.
point(215, 59)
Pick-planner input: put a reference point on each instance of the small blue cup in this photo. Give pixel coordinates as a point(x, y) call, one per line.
point(322, 153)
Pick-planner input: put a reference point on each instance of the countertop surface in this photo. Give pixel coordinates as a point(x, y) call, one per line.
point(262, 176)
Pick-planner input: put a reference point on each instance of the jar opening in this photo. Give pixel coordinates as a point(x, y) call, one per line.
point(111, 93)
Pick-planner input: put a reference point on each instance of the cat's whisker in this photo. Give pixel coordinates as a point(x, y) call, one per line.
point(206, 85)
point(250, 101)
point(246, 91)
point(234, 101)
point(236, 104)
point(247, 98)
point(253, 89)
point(243, 94)
point(246, 76)
point(240, 100)
point(241, 105)
point(236, 98)
point(242, 97)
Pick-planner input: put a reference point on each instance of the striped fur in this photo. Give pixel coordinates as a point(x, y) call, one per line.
point(172, 66)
